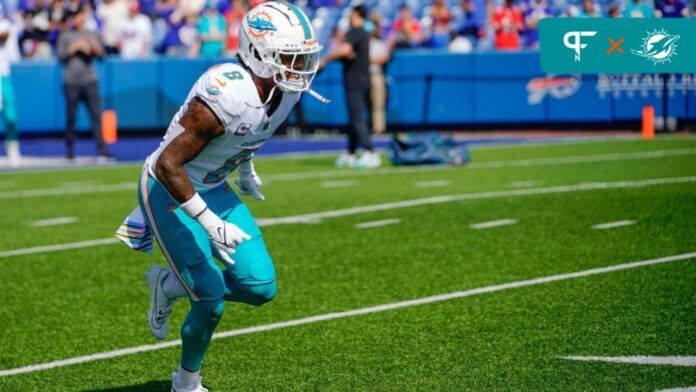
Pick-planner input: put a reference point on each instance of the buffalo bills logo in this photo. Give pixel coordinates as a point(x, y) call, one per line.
point(557, 86)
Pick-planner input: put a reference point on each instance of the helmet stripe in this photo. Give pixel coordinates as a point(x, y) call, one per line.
point(302, 18)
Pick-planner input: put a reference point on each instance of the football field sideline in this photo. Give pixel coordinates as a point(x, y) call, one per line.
point(314, 217)
point(354, 312)
point(324, 174)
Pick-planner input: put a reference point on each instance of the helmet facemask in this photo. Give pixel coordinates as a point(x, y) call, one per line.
point(294, 69)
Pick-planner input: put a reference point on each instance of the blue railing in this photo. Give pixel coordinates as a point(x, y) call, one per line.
point(427, 89)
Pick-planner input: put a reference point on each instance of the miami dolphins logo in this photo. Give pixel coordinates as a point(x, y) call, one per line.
point(658, 46)
point(260, 24)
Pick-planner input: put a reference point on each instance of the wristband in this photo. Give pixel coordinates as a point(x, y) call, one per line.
point(195, 206)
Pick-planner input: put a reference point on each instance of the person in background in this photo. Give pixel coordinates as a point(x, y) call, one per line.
point(406, 30)
point(638, 9)
point(536, 11)
point(37, 26)
point(8, 52)
point(379, 57)
point(77, 50)
point(508, 23)
point(589, 10)
point(113, 14)
point(212, 29)
point(466, 23)
point(56, 18)
point(614, 11)
point(441, 19)
point(354, 53)
point(672, 9)
point(234, 16)
point(135, 34)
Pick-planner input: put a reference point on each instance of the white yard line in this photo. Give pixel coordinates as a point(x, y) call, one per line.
point(524, 184)
point(7, 184)
point(57, 247)
point(611, 225)
point(337, 184)
point(495, 223)
point(63, 220)
point(352, 313)
point(432, 184)
point(68, 191)
point(331, 174)
point(70, 184)
point(314, 217)
point(379, 223)
point(639, 360)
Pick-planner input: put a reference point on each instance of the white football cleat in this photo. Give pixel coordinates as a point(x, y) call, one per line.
point(369, 159)
point(160, 304)
point(178, 385)
point(346, 160)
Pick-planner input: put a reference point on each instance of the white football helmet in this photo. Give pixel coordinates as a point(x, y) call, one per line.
point(277, 40)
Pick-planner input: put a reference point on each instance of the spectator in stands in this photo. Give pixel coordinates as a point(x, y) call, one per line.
point(77, 50)
point(379, 57)
point(212, 30)
point(234, 18)
point(37, 26)
point(535, 11)
point(613, 11)
point(406, 30)
point(508, 24)
point(354, 53)
point(638, 9)
point(135, 34)
point(8, 52)
point(468, 20)
point(440, 20)
point(56, 18)
point(113, 14)
point(589, 10)
point(672, 9)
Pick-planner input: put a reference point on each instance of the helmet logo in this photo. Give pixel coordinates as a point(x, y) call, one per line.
point(260, 24)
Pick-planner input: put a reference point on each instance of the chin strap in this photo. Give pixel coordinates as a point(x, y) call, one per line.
point(319, 96)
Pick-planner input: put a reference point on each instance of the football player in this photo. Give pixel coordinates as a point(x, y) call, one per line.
point(231, 111)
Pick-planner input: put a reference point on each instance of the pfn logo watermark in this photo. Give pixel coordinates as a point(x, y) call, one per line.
point(573, 40)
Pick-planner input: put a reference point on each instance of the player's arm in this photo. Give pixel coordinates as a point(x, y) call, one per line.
point(200, 127)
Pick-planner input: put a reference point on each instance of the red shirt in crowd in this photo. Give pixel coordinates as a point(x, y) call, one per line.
point(507, 22)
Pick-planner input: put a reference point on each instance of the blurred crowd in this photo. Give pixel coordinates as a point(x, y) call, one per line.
point(141, 28)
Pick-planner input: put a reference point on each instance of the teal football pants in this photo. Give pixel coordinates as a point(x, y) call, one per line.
point(188, 251)
point(8, 110)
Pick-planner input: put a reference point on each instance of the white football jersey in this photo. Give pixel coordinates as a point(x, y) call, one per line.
point(230, 92)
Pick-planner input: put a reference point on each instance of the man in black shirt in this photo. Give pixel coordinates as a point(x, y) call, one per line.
point(355, 56)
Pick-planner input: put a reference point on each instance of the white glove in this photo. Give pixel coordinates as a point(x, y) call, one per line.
point(248, 181)
point(224, 236)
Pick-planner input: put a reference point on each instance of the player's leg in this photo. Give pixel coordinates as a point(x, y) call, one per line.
point(186, 247)
point(252, 279)
point(93, 101)
point(72, 97)
point(9, 113)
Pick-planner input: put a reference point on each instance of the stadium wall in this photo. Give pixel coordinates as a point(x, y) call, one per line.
point(427, 89)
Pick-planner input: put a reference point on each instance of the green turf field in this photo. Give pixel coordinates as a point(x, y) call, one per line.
point(59, 304)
